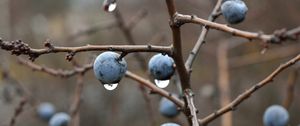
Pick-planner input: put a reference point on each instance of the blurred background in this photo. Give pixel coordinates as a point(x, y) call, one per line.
point(81, 22)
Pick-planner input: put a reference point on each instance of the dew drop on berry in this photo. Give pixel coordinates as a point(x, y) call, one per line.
point(162, 83)
point(109, 5)
point(110, 87)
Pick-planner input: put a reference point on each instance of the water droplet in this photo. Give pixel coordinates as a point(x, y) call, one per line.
point(109, 5)
point(110, 87)
point(162, 83)
point(112, 7)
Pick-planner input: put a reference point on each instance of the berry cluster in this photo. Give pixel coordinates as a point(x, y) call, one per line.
point(110, 68)
point(46, 111)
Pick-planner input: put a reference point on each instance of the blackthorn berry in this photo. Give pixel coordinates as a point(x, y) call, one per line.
point(276, 115)
point(167, 108)
point(45, 111)
point(161, 67)
point(60, 119)
point(234, 11)
point(109, 68)
point(170, 124)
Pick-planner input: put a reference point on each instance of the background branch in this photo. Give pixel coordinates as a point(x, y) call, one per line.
point(290, 87)
point(56, 72)
point(224, 81)
point(75, 106)
point(18, 110)
point(245, 95)
point(126, 30)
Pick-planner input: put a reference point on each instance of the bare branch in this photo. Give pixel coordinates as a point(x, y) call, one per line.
point(19, 47)
point(277, 37)
point(54, 72)
point(201, 40)
point(155, 89)
point(245, 95)
point(183, 73)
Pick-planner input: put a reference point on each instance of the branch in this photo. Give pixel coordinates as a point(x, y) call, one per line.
point(154, 89)
point(181, 69)
point(19, 47)
point(201, 40)
point(54, 72)
point(277, 37)
point(242, 97)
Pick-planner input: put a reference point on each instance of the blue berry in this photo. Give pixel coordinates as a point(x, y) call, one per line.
point(170, 124)
point(167, 108)
point(161, 67)
point(109, 68)
point(45, 111)
point(60, 119)
point(276, 115)
point(234, 11)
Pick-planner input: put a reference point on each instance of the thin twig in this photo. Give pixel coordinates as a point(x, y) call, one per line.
point(19, 47)
point(277, 37)
point(155, 89)
point(201, 40)
point(245, 95)
point(54, 72)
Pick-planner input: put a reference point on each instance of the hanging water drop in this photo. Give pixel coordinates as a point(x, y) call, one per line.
point(110, 87)
point(162, 83)
point(110, 5)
